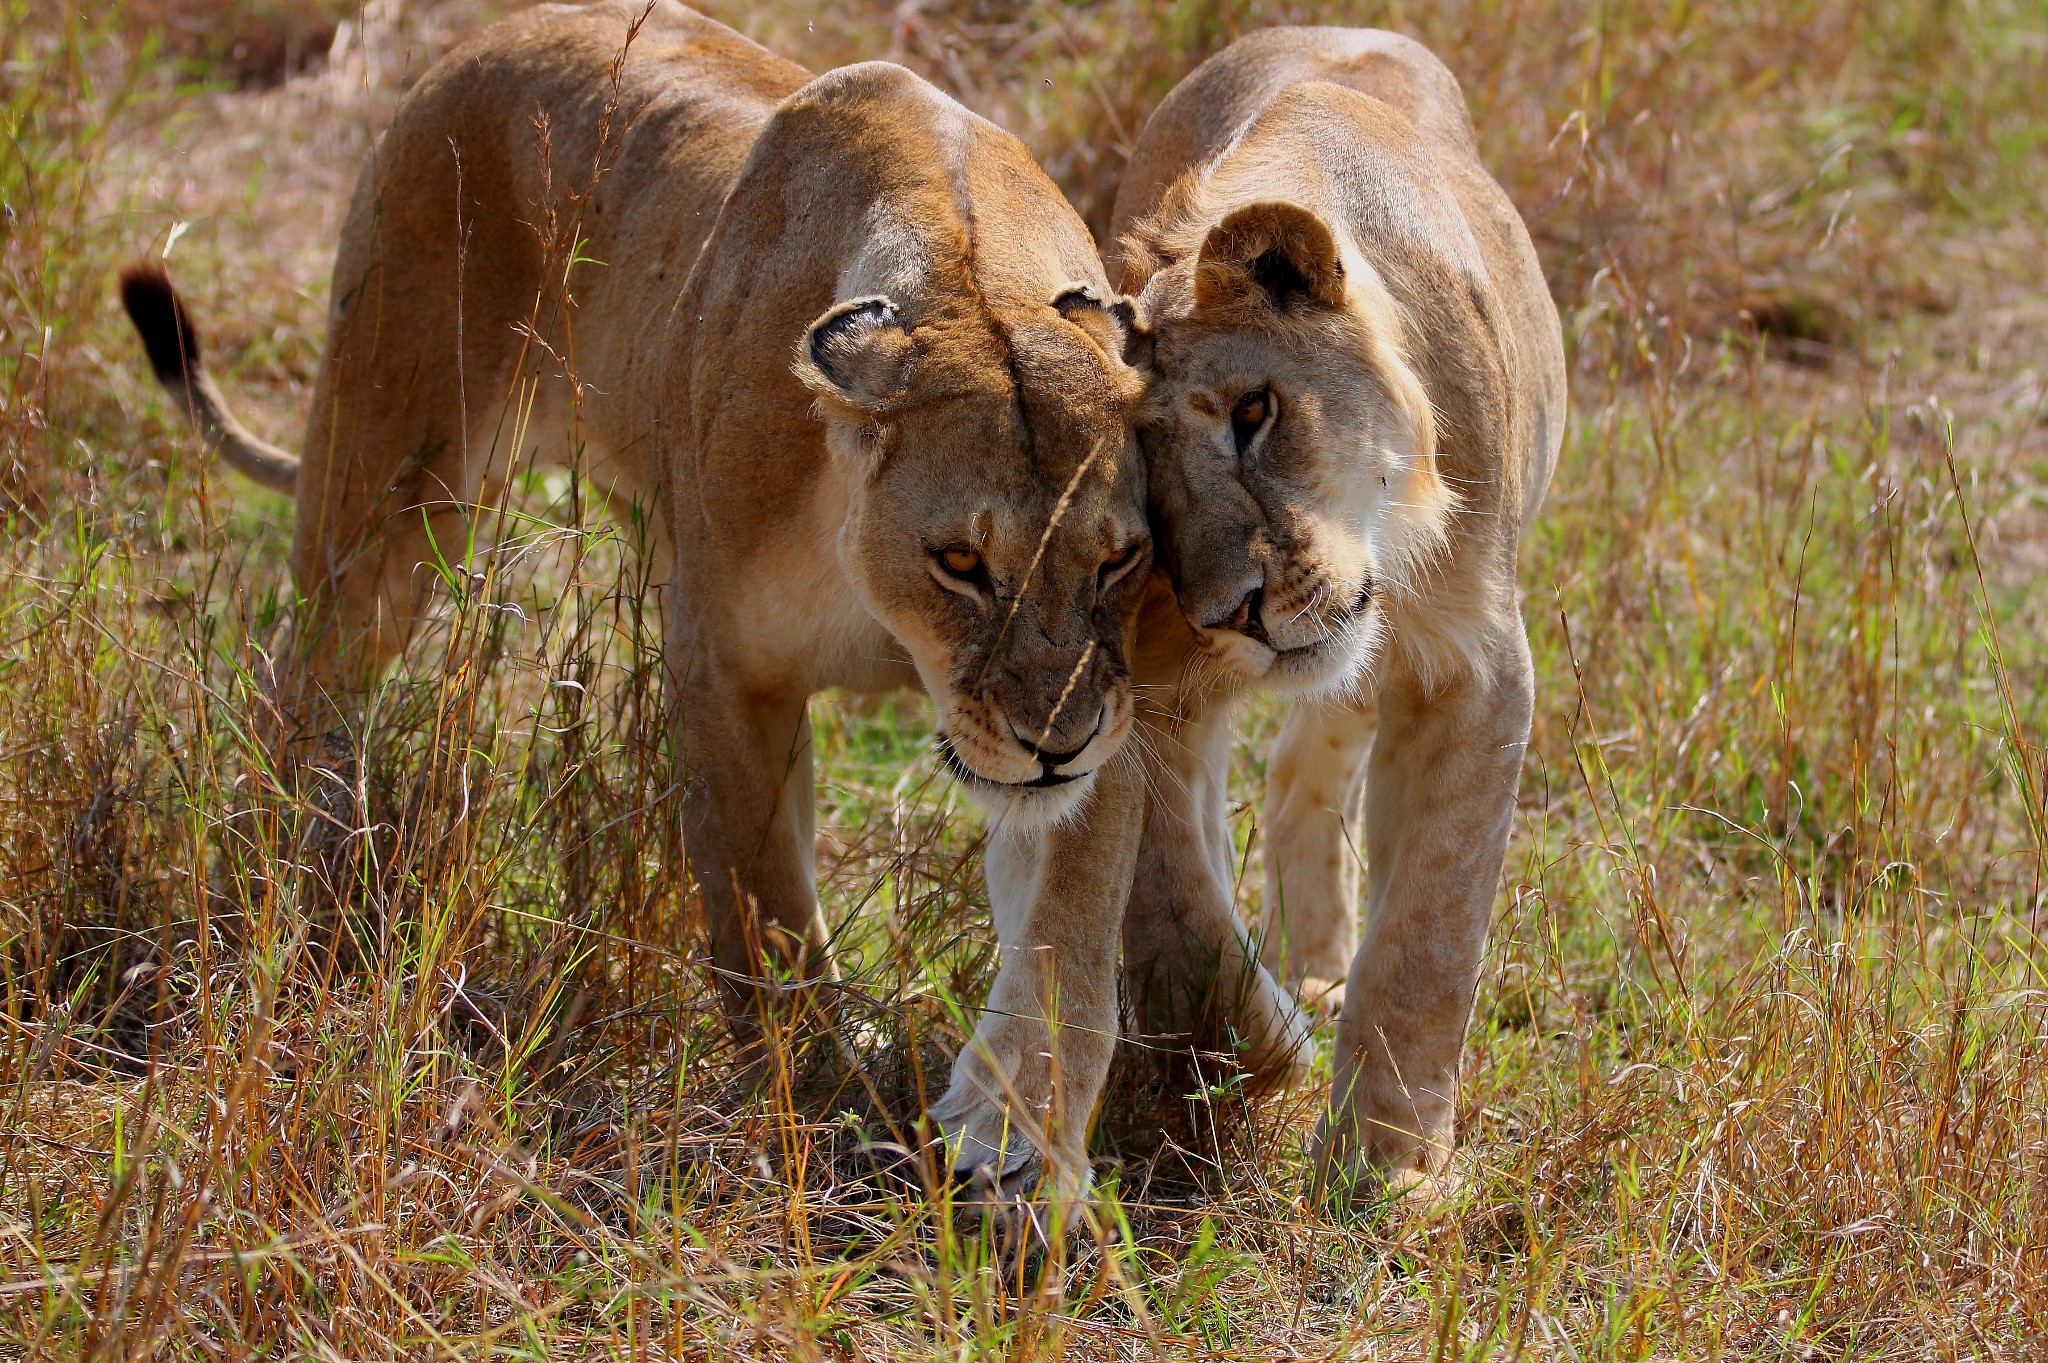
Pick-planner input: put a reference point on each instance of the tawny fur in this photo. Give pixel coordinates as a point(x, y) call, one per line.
point(823, 331)
point(1307, 217)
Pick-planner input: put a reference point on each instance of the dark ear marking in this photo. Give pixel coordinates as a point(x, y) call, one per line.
point(1280, 278)
point(1113, 323)
point(1277, 254)
point(837, 337)
point(858, 353)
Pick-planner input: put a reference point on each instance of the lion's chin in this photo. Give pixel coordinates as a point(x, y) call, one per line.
point(1026, 809)
point(1331, 666)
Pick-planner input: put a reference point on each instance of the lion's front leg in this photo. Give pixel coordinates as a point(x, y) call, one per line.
point(1440, 796)
point(1191, 971)
point(1025, 1086)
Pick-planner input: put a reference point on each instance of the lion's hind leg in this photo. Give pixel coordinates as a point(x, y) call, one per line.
point(417, 408)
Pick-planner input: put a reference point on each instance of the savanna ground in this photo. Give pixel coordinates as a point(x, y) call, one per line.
point(1759, 1067)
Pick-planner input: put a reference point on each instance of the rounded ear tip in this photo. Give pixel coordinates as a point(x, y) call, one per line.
point(1271, 224)
point(1272, 249)
point(859, 352)
point(1078, 296)
point(853, 312)
point(1277, 212)
point(1085, 306)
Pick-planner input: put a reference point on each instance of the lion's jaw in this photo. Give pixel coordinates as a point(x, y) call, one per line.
point(1300, 612)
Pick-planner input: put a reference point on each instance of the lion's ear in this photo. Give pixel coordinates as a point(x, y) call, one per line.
point(1112, 323)
point(857, 356)
point(1278, 254)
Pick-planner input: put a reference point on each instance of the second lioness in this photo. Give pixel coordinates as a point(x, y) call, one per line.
point(1358, 399)
point(759, 250)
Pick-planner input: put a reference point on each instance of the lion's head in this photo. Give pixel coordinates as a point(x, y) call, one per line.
point(997, 524)
point(1291, 447)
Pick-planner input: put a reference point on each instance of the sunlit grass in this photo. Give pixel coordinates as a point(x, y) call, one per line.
point(1757, 1065)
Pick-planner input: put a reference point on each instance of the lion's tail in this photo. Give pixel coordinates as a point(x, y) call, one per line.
point(173, 346)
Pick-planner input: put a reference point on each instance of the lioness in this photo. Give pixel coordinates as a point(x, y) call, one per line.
point(1358, 398)
point(858, 356)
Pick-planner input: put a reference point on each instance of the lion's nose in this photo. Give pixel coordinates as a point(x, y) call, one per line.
point(1051, 758)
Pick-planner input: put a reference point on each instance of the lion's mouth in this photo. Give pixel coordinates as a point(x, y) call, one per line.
point(967, 775)
point(1248, 620)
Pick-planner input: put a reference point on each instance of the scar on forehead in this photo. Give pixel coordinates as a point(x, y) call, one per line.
point(1204, 404)
point(979, 527)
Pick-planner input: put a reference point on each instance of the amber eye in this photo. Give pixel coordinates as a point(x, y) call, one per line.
point(1249, 415)
point(960, 562)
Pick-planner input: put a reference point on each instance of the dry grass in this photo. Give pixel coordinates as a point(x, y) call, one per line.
point(1760, 1067)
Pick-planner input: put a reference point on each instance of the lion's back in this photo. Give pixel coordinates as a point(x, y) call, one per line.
point(1215, 103)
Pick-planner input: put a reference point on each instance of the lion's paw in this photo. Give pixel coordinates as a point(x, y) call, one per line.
point(1277, 1040)
point(1012, 1175)
point(984, 1141)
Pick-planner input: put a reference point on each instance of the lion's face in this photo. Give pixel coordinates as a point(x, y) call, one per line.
point(999, 527)
point(1290, 449)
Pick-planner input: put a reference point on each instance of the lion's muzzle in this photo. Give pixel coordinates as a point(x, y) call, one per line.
point(1315, 636)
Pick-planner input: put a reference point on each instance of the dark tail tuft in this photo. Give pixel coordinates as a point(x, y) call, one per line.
point(173, 345)
point(160, 316)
